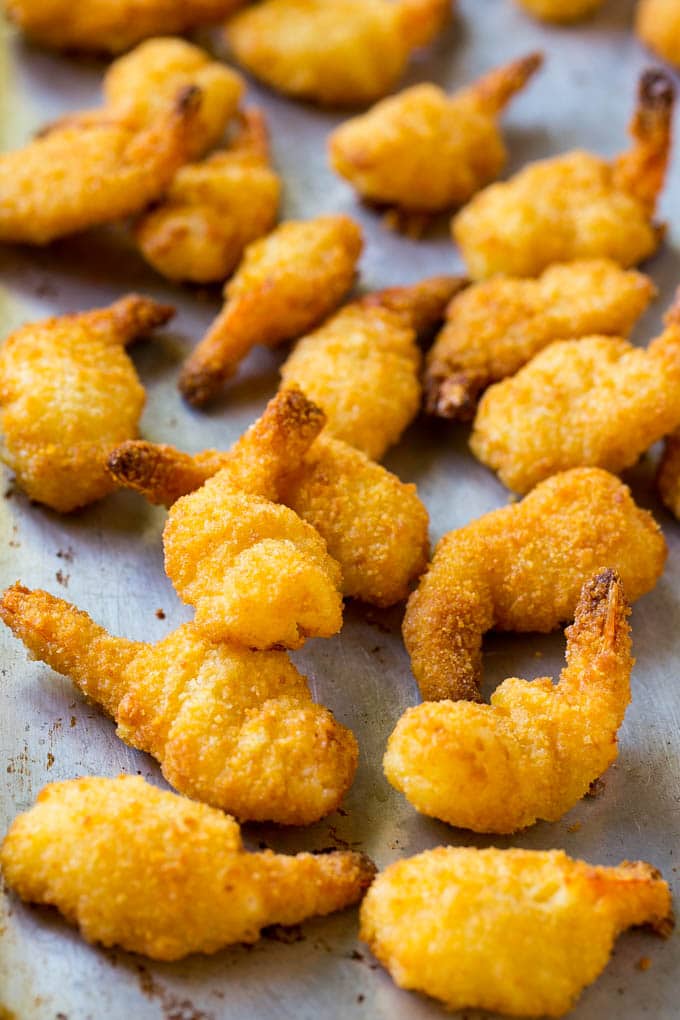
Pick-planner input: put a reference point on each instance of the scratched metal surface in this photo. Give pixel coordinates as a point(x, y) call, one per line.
point(108, 561)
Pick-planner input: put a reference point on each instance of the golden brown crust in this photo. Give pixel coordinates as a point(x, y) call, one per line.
point(657, 23)
point(642, 171)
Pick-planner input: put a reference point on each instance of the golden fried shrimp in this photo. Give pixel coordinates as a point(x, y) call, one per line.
point(519, 932)
point(233, 728)
point(373, 524)
point(157, 874)
point(575, 206)
point(521, 568)
point(213, 209)
point(657, 23)
point(286, 283)
point(561, 11)
point(668, 477)
point(495, 327)
point(139, 86)
point(424, 151)
point(93, 168)
point(69, 394)
point(598, 401)
point(348, 53)
point(535, 750)
point(111, 26)
point(362, 366)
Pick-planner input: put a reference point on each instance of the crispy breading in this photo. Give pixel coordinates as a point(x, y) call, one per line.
point(575, 206)
point(362, 366)
point(495, 327)
point(213, 209)
point(157, 874)
point(425, 151)
point(535, 750)
point(110, 26)
point(561, 10)
point(286, 283)
point(668, 477)
point(139, 86)
point(233, 728)
point(69, 394)
point(598, 401)
point(657, 23)
point(521, 568)
point(519, 932)
point(93, 168)
point(348, 53)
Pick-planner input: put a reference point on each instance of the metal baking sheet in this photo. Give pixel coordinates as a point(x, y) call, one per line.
point(108, 560)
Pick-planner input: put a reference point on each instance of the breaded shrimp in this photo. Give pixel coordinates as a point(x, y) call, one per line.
point(658, 25)
point(139, 85)
point(521, 568)
point(158, 874)
point(495, 327)
point(668, 478)
point(256, 573)
point(93, 168)
point(561, 11)
point(424, 151)
point(597, 401)
point(575, 206)
point(287, 283)
point(345, 53)
point(519, 932)
point(213, 209)
point(69, 394)
point(535, 750)
point(362, 365)
point(230, 727)
point(373, 524)
point(111, 26)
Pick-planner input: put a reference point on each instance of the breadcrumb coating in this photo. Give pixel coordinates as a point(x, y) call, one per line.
point(348, 53)
point(575, 206)
point(69, 394)
point(561, 11)
point(521, 568)
point(495, 327)
point(160, 875)
point(286, 283)
point(93, 168)
point(362, 366)
point(233, 728)
point(536, 749)
point(213, 209)
point(657, 23)
point(519, 932)
point(668, 478)
point(111, 26)
point(598, 401)
point(425, 151)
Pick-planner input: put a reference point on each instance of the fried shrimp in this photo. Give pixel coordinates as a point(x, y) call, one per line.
point(668, 477)
point(561, 11)
point(69, 394)
point(157, 874)
point(597, 401)
point(424, 151)
point(256, 573)
point(519, 932)
point(287, 283)
point(373, 524)
point(535, 750)
point(521, 568)
point(93, 168)
point(575, 206)
point(111, 26)
point(139, 86)
point(658, 25)
point(362, 365)
point(348, 53)
point(495, 327)
point(233, 728)
point(213, 209)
